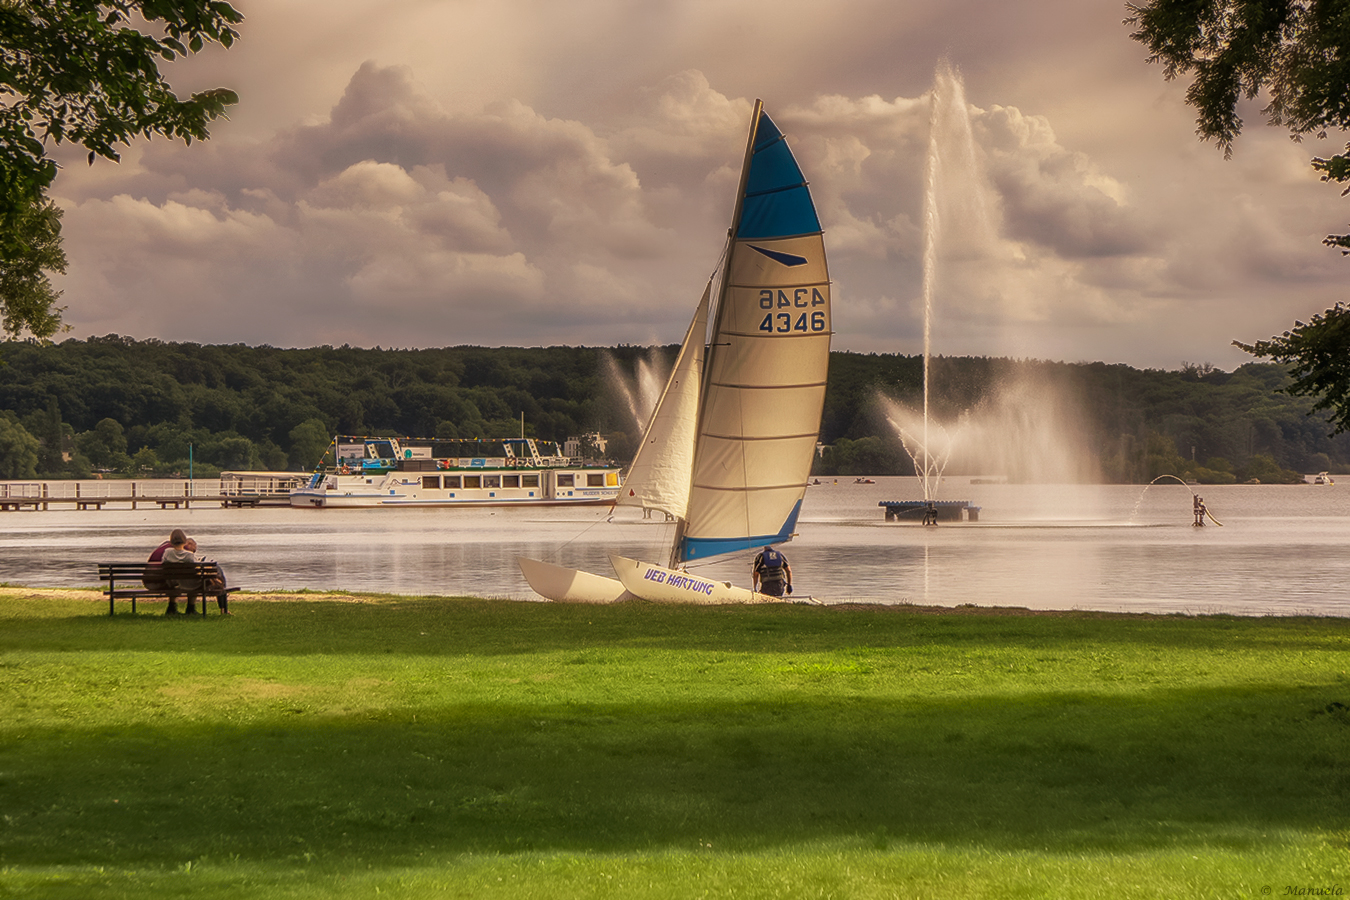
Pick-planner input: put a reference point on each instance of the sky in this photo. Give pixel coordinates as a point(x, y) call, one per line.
point(432, 173)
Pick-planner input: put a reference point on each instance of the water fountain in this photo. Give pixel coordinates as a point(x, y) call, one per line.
point(1198, 507)
point(640, 391)
point(947, 113)
point(1027, 427)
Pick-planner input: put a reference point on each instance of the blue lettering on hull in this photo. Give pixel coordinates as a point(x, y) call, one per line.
point(679, 582)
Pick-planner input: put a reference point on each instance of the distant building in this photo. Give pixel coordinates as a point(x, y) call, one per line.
point(573, 446)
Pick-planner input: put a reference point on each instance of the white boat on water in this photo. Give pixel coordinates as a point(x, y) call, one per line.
point(1323, 478)
point(729, 447)
point(376, 471)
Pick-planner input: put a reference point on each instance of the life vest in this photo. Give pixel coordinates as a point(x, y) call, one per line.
point(770, 566)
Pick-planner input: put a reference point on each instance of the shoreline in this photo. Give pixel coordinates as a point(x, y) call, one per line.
point(95, 595)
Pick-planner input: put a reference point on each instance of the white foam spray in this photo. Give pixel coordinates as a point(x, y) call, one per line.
point(1025, 428)
point(641, 390)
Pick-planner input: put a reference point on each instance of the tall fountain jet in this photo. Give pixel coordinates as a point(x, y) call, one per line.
point(1025, 428)
point(949, 129)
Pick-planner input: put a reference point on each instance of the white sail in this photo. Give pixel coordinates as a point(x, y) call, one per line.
point(659, 477)
point(764, 387)
point(728, 452)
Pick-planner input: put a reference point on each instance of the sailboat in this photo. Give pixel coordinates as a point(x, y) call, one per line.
point(728, 449)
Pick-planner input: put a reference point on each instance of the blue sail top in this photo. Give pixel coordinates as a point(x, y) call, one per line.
point(777, 202)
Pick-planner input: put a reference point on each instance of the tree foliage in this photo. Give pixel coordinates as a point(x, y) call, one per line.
point(30, 248)
point(1296, 50)
point(262, 407)
point(18, 449)
point(82, 71)
point(102, 402)
point(1318, 354)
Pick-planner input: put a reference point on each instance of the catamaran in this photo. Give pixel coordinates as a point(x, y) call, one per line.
point(728, 449)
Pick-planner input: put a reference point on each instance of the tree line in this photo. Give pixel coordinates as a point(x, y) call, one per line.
point(147, 407)
point(1130, 425)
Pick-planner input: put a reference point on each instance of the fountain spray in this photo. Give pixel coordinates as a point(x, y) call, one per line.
point(947, 107)
point(930, 236)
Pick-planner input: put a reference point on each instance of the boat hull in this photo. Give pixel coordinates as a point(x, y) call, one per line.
point(658, 584)
point(310, 499)
point(563, 585)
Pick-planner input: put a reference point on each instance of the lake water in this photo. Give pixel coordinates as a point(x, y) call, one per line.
point(1281, 549)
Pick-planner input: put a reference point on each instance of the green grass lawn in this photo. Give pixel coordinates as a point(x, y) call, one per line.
point(436, 747)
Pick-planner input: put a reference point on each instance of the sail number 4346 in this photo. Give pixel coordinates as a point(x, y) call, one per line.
point(782, 321)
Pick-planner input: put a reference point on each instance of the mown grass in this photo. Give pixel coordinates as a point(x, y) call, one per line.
point(465, 748)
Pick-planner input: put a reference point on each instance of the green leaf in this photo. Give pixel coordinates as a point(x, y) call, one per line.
point(74, 71)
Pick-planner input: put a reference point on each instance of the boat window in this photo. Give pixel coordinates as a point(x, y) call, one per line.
point(567, 480)
point(452, 482)
point(595, 479)
point(510, 481)
point(612, 479)
point(529, 481)
point(431, 481)
point(473, 481)
point(492, 481)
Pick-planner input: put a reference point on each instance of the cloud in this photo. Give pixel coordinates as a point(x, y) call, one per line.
point(1054, 197)
point(441, 222)
point(515, 197)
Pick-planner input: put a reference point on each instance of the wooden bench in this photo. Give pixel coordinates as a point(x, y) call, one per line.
point(127, 581)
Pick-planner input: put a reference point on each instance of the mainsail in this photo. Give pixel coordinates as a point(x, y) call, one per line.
point(764, 386)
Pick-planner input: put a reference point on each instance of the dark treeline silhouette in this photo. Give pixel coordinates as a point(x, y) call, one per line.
point(135, 407)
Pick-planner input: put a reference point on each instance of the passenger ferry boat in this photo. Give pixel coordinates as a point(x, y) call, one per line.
point(370, 471)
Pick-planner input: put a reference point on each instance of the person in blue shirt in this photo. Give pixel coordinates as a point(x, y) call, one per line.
point(771, 573)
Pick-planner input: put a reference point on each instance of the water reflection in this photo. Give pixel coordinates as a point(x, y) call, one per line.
point(1281, 549)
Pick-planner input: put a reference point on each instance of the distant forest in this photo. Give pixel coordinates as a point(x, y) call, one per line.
point(117, 405)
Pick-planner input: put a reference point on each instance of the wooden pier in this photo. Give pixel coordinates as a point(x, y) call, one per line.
point(914, 510)
point(42, 495)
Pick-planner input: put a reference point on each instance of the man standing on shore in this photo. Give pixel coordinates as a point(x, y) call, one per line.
point(771, 573)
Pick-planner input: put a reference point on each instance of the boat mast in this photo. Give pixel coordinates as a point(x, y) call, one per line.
point(731, 244)
point(676, 547)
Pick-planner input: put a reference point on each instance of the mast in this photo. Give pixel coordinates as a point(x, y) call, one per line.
point(719, 312)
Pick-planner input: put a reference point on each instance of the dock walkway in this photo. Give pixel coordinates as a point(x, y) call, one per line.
point(41, 495)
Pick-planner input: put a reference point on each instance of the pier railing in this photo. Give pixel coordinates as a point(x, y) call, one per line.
point(164, 492)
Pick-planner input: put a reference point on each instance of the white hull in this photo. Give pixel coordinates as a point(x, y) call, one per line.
point(564, 585)
point(307, 499)
point(658, 584)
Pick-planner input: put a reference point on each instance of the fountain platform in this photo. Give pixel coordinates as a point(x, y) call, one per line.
point(947, 510)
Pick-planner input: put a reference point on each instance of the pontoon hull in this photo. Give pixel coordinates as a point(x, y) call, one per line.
point(658, 584)
point(563, 585)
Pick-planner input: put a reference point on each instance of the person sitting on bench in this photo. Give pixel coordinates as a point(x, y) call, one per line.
point(182, 550)
point(153, 579)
